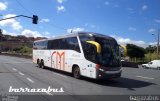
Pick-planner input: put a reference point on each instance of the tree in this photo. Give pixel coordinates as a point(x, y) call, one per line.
point(150, 56)
point(134, 51)
point(150, 49)
point(151, 53)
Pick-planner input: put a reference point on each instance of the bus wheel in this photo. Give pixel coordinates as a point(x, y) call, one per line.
point(39, 64)
point(76, 72)
point(42, 64)
point(37, 61)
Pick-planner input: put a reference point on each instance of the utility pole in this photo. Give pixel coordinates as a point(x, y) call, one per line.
point(1, 35)
point(158, 45)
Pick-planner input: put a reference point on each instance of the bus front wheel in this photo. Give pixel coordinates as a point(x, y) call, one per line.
point(76, 72)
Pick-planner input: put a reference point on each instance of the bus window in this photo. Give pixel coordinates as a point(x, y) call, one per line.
point(89, 51)
point(109, 55)
point(72, 43)
point(40, 45)
point(110, 52)
point(53, 44)
point(98, 46)
point(65, 44)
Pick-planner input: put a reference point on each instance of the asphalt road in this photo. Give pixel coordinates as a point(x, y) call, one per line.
point(22, 73)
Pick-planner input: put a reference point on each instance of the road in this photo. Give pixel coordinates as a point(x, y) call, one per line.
point(22, 73)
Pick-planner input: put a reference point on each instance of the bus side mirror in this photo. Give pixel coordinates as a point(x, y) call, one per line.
point(98, 46)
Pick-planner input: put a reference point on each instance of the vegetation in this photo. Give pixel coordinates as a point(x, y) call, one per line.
point(151, 53)
point(139, 54)
point(150, 56)
point(134, 51)
point(16, 48)
point(23, 49)
point(150, 49)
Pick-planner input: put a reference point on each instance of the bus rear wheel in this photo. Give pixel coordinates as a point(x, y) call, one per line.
point(76, 72)
point(41, 64)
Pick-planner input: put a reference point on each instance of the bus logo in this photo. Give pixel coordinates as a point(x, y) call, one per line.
point(60, 59)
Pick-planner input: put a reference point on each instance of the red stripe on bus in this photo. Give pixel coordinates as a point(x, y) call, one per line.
point(51, 57)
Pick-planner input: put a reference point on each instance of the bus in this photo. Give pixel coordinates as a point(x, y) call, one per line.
point(85, 54)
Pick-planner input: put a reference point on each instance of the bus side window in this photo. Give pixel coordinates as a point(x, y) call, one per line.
point(45, 45)
point(54, 44)
point(72, 43)
point(61, 44)
point(42, 45)
point(89, 51)
point(49, 44)
point(66, 44)
point(34, 46)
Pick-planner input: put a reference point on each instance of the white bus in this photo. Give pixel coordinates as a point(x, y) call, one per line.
point(81, 53)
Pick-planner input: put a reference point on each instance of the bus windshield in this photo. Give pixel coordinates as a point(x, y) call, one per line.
point(109, 55)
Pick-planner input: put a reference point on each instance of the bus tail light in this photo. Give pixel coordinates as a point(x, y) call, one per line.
point(98, 66)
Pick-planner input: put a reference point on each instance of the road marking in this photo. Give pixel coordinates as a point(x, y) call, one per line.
point(14, 69)
point(30, 80)
point(144, 77)
point(21, 73)
point(48, 93)
point(60, 75)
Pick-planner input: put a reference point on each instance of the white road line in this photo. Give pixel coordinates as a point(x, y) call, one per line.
point(14, 69)
point(30, 80)
point(21, 73)
point(48, 93)
point(144, 77)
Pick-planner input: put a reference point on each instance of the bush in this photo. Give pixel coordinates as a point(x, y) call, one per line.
point(150, 56)
point(26, 49)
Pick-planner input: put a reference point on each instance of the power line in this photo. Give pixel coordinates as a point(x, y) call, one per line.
point(52, 25)
point(23, 7)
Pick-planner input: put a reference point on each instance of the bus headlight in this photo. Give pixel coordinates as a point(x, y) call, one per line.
point(101, 69)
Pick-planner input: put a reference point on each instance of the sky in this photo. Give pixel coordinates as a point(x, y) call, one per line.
point(128, 21)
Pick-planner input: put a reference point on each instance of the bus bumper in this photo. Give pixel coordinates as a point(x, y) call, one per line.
point(108, 74)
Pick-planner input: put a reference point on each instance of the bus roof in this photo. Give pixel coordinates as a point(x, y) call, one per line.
point(74, 34)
